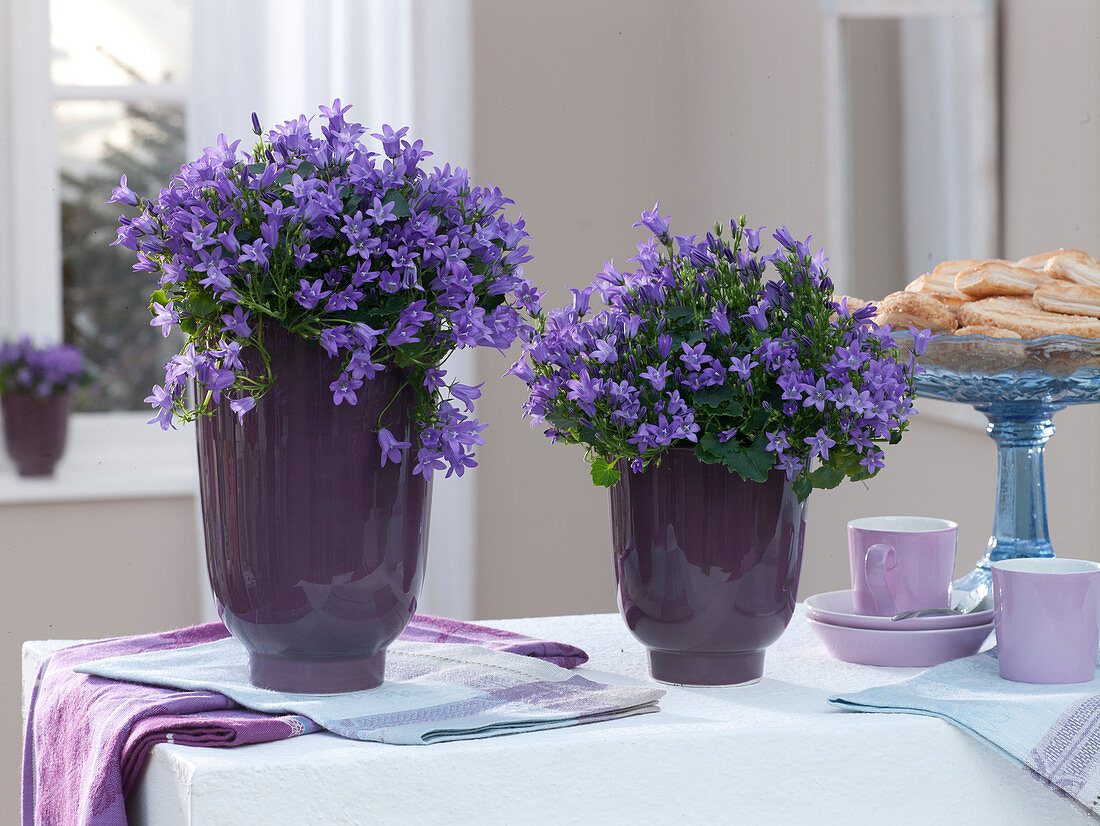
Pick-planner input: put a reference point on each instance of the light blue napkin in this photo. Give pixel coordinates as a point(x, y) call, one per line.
point(1054, 730)
point(434, 692)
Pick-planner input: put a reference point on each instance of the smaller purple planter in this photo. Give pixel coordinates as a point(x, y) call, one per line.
point(35, 430)
point(707, 567)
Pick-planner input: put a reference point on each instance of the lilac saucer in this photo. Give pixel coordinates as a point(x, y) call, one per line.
point(905, 649)
point(835, 608)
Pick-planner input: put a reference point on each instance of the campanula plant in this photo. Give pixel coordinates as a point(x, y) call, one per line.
point(40, 371)
point(743, 357)
point(384, 262)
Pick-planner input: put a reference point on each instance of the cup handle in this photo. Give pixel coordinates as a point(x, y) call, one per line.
point(879, 563)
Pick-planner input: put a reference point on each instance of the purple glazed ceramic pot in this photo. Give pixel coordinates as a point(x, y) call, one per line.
point(35, 430)
point(707, 567)
point(316, 552)
point(1047, 613)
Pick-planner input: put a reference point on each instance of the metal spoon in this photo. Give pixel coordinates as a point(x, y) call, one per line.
point(976, 600)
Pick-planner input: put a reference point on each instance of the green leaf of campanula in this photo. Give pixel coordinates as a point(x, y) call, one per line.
point(604, 473)
point(401, 207)
point(752, 463)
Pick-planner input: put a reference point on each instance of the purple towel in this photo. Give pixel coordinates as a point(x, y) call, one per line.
point(88, 738)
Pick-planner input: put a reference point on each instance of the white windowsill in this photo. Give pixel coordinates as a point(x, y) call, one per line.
point(111, 456)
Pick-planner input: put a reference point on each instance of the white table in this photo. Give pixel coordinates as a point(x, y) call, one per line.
point(769, 753)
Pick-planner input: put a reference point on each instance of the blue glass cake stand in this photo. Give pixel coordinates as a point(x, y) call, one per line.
point(1019, 385)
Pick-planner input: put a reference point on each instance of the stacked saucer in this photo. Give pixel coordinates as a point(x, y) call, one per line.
point(919, 641)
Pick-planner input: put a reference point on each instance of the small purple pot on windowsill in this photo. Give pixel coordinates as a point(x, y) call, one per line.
point(707, 566)
point(35, 430)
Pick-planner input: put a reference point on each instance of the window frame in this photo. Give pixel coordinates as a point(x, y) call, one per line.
point(31, 294)
point(427, 52)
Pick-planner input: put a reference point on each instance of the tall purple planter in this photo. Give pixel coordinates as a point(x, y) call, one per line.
point(707, 567)
point(316, 553)
point(35, 430)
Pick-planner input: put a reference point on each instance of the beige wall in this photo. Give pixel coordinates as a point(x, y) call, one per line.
point(80, 570)
point(563, 123)
point(588, 112)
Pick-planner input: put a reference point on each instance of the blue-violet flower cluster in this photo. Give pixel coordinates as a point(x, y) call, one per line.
point(385, 264)
point(698, 349)
point(40, 371)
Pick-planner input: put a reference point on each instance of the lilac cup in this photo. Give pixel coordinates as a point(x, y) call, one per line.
point(901, 563)
point(1047, 614)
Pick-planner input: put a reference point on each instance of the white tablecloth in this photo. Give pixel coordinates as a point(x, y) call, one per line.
point(769, 753)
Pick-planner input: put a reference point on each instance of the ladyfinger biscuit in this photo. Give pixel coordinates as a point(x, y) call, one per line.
point(996, 278)
point(946, 272)
point(987, 330)
point(1037, 262)
point(940, 287)
point(907, 309)
point(1069, 298)
point(1023, 316)
point(1076, 266)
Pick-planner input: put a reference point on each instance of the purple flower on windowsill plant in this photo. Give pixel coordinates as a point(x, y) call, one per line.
point(381, 259)
point(698, 348)
point(40, 371)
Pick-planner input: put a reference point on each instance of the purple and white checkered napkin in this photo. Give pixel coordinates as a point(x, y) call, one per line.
point(1053, 730)
point(88, 738)
point(434, 692)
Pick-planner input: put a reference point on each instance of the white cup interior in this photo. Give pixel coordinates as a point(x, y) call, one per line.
point(1047, 565)
point(902, 524)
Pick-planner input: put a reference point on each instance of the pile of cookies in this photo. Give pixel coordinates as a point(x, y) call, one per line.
point(1056, 293)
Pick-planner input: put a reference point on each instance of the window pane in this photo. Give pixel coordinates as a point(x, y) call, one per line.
point(106, 303)
point(111, 42)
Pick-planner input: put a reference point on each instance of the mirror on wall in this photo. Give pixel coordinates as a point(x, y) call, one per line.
point(912, 152)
